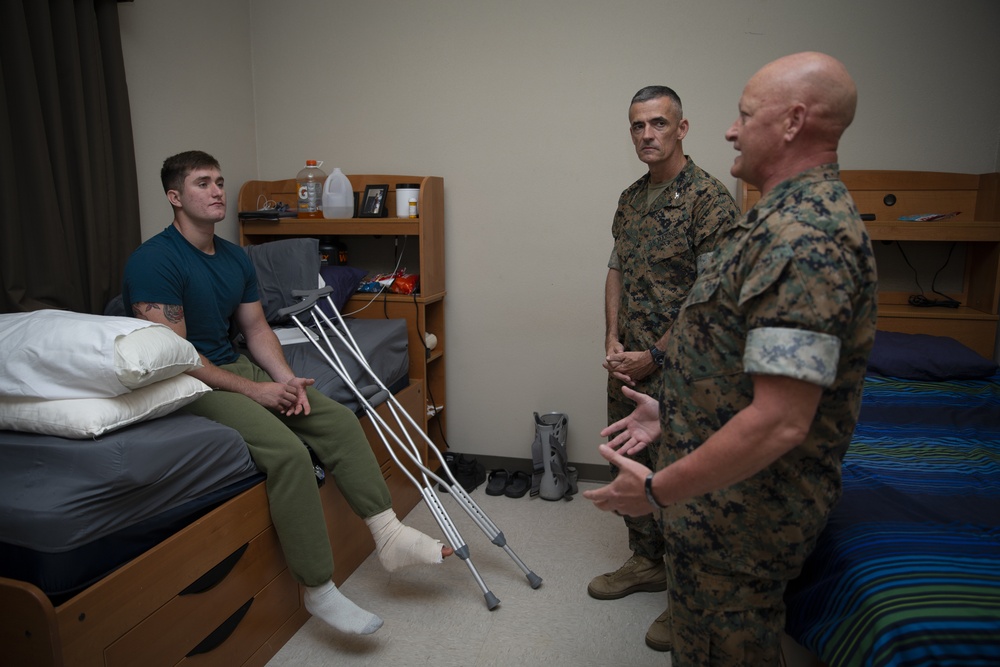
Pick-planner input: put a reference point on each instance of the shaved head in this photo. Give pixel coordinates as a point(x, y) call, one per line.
point(793, 112)
point(816, 80)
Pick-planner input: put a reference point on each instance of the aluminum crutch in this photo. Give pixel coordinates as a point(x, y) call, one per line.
point(309, 302)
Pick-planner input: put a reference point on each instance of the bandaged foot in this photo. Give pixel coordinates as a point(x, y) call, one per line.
point(327, 603)
point(399, 546)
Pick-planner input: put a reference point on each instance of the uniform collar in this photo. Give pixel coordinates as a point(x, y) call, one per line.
point(670, 197)
point(779, 193)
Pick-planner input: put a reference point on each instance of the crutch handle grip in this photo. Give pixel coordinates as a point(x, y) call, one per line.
point(309, 299)
point(378, 398)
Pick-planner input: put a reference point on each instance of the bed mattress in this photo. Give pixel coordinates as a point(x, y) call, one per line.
point(72, 510)
point(907, 571)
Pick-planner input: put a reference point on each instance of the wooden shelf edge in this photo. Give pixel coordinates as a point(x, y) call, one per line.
point(960, 313)
point(367, 297)
point(323, 227)
point(936, 230)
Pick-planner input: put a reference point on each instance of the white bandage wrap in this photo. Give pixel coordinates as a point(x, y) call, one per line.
point(398, 545)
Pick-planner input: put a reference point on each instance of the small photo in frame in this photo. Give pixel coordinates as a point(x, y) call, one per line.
point(373, 201)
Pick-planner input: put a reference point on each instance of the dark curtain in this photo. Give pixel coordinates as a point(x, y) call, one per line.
point(69, 198)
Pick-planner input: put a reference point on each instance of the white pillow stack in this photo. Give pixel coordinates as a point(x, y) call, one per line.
point(78, 376)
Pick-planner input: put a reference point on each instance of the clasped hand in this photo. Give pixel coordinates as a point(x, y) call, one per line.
point(628, 367)
point(288, 399)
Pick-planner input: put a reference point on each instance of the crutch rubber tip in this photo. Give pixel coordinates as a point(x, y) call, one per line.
point(492, 601)
point(534, 580)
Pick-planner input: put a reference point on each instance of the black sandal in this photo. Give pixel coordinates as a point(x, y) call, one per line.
point(518, 485)
point(497, 482)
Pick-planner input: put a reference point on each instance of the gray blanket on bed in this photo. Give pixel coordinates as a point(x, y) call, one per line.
point(56, 493)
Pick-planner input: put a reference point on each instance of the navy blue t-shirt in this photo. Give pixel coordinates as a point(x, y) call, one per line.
point(167, 269)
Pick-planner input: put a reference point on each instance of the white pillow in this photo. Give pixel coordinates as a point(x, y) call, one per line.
point(58, 354)
point(152, 354)
point(90, 417)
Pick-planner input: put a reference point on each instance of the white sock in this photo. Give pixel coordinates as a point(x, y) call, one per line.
point(398, 545)
point(327, 603)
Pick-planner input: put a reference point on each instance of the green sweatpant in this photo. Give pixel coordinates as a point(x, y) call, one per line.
point(275, 442)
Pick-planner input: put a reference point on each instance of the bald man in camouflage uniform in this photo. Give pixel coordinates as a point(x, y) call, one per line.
point(664, 223)
point(763, 379)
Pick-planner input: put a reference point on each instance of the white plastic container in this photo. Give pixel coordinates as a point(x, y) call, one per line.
point(404, 193)
point(338, 196)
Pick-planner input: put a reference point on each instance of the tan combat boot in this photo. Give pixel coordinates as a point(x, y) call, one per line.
point(637, 575)
point(658, 636)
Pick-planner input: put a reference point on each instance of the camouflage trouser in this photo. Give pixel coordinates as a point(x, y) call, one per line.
point(645, 533)
point(727, 571)
point(723, 619)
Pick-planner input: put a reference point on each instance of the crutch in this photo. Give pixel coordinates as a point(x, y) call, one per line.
point(309, 302)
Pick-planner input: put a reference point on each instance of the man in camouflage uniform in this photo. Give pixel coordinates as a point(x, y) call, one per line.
point(763, 379)
point(665, 221)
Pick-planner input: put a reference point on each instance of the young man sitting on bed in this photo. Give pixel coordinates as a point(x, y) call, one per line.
point(763, 377)
point(198, 284)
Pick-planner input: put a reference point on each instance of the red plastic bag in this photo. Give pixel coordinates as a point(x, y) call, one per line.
point(405, 283)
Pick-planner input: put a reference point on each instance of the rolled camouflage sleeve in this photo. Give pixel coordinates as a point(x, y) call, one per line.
point(802, 355)
point(797, 307)
point(613, 262)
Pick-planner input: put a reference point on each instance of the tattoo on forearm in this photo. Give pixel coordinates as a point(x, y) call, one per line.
point(172, 313)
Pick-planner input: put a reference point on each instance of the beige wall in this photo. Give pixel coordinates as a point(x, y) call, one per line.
point(521, 106)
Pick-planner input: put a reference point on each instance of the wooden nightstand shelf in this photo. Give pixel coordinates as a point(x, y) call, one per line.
point(423, 312)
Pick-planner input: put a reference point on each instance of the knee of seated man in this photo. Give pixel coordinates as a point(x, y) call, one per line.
point(281, 449)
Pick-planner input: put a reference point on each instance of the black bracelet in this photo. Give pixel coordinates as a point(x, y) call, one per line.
point(649, 493)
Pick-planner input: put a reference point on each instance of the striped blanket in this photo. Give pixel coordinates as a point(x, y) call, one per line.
point(907, 571)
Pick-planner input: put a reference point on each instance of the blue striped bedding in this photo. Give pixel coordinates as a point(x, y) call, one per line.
point(907, 572)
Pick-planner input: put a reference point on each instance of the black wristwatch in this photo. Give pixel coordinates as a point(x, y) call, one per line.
point(658, 355)
point(649, 493)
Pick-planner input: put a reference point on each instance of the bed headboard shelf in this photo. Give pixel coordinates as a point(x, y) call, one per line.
point(889, 195)
point(423, 312)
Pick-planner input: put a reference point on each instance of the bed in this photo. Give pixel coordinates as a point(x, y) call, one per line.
point(907, 571)
point(151, 541)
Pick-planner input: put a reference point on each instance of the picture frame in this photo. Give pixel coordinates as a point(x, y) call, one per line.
point(373, 202)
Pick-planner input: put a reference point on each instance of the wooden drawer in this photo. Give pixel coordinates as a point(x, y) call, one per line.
point(179, 626)
point(268, 611)
point(104, 613)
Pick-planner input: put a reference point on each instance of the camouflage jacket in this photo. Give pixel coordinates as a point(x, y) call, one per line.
point(792, 292)
point(656, 248)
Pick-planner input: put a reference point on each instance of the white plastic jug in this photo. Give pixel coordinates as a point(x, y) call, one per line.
point(338, 196)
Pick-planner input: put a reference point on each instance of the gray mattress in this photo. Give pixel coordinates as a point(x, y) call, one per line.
point(57, 494)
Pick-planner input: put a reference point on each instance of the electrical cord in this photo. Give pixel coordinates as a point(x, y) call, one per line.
point(399, 260)
point(922, 301)
point(427, 354)
point(399, 252)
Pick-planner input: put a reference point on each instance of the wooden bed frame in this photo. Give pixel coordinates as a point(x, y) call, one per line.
point(158, 608)
point(889, 195)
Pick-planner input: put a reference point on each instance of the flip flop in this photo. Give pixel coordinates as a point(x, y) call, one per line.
point(518, 485)
point(497, 482)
